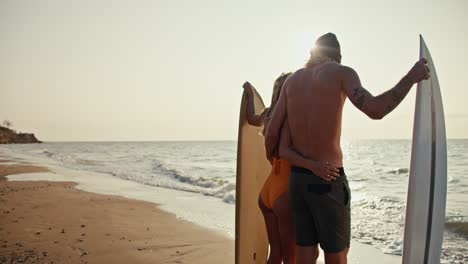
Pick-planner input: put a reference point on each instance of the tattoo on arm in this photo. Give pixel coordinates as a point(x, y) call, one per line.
point(379, 106)
point(359, 97)
point(397, 94)
point(396, 99)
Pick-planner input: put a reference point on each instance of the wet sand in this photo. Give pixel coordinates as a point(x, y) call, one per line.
point(49, 222)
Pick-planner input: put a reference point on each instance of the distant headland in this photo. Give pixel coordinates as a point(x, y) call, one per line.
point(10, 136)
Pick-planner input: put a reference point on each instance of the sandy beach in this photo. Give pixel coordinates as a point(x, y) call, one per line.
point(55, 215)
point(50, 222)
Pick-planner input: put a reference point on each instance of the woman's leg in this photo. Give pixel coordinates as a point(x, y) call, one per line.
point(272, 229)
point(282, 210)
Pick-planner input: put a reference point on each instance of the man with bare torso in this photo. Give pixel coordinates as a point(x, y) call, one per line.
point(311, 103)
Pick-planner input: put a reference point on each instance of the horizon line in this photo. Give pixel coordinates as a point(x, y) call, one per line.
point(204, 140)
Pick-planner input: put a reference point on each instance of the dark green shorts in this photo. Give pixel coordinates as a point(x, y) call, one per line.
point(321, 210)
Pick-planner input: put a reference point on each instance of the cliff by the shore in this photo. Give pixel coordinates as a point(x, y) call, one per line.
point(8, 136)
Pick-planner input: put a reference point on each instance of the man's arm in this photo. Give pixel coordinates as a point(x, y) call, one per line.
point(252, 118)
point(376, 107)
point(287, 151)
point(273, 127)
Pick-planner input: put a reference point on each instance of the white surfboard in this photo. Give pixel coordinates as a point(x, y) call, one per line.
point(427, 187)
point(252, 171)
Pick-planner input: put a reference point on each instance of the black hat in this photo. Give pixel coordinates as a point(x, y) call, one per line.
point(328, 45)
point(328, 40)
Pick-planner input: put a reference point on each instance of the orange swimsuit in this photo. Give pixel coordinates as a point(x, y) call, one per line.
point(277, 182)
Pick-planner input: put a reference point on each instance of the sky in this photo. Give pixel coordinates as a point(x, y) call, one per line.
point(121, 70)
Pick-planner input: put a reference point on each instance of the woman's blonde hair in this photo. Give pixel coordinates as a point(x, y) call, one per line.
point(277, 86)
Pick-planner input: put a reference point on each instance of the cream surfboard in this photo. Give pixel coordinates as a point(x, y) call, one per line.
point(252, 170)
point(427, 187)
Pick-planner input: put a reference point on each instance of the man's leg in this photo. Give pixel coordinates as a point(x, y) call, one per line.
point(335, 223)
point(304, 225)
point(337, 258)
point(307, 255)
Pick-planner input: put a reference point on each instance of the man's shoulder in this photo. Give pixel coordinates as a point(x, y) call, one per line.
point(346, 70)
point(296, 73)
point(340, 69)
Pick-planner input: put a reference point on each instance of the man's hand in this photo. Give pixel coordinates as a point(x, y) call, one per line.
point(324, 170)
point(419, 72)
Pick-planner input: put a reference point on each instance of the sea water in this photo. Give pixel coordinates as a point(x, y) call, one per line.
point(204, 174)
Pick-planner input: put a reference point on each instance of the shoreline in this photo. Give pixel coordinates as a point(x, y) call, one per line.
point(82, 186)
point(53, 222)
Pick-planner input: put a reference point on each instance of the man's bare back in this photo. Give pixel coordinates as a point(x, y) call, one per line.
point(314, 108)
point(312, 99)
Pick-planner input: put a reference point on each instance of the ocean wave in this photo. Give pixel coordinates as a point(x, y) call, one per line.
point(87, 162)
point(38, 151)
point(227, 193)
point(379, 222)
point(204, 182)
point(356, 185)
point(69, 159)
point(453, 180)
point(399, 171)
point(230, 198)
point(458, 228)
point(47, 153)
point(214, 186)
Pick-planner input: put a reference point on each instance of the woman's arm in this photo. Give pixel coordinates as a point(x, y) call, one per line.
point(275, 123)
point(286, 151)
point(252, 118)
